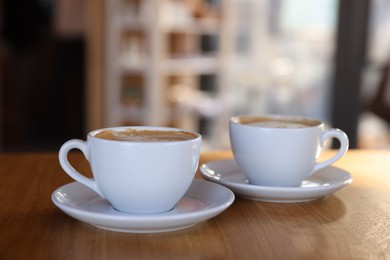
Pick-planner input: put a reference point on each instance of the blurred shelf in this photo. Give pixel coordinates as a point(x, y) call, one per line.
point(168, 67)
point(192, 26)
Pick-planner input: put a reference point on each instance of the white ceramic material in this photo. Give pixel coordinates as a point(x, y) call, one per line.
point(282, 156)
point(202, 201)
point(136, 177)
point(322, 183)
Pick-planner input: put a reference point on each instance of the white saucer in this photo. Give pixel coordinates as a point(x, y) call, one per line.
point(320, 184)
point(202, 201)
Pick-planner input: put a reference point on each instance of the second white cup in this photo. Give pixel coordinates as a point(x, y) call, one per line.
point(281, 150)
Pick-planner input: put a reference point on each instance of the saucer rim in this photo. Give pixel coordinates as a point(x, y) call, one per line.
point(298, 193)
point(145, 223)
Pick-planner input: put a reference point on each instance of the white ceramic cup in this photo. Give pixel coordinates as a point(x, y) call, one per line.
point(137, 177)
point(283, 152)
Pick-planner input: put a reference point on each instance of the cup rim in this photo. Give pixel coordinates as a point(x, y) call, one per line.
point(311, 122)
point(92, 134)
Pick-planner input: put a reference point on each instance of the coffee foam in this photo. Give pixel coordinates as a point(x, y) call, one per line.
point(270, 122)
point(278, 124)
point(132, 135)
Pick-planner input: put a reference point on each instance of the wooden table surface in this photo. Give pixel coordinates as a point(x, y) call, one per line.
point(354, 223)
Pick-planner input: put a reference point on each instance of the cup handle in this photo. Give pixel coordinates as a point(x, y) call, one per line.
point(344, 144)
point(68, 168)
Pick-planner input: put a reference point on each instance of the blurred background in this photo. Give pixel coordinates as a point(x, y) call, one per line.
point(71, 66)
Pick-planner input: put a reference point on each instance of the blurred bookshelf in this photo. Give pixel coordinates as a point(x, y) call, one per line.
point(177, 63)
point(163, 60)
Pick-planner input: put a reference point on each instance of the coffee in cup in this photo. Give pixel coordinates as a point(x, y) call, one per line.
point(277, 150)
point(277, 122)
point(140, 170)
point(135, 135)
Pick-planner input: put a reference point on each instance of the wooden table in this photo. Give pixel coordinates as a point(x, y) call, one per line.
point(354, 223)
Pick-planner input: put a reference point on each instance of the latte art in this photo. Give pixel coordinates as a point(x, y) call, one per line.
point(269, 122)
point(131, 135)
point(278, 124)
